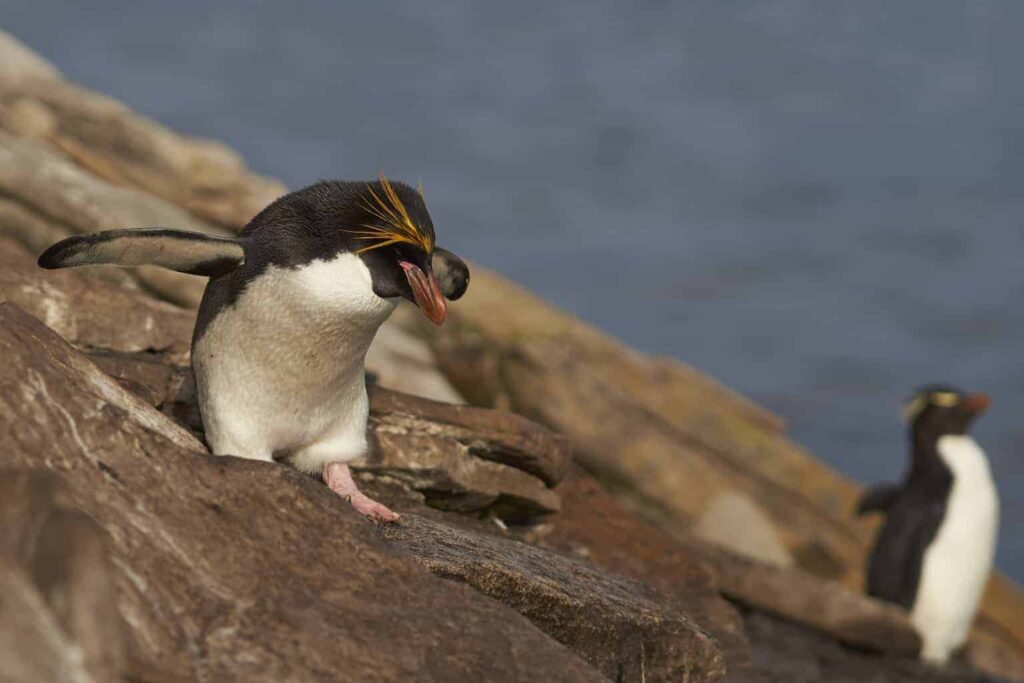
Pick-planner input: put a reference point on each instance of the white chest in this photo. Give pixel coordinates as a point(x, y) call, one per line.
point(957, 564)
point(285, 364)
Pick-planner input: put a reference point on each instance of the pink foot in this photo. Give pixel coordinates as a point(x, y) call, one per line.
point(338, 478)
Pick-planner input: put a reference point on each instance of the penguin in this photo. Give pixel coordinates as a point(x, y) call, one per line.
point(289, 312)
point(935, 551)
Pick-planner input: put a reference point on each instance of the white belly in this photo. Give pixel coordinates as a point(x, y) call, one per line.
point(283, 368)
point(958, 562)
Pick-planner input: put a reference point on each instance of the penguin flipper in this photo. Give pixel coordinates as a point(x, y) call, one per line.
point(878, 499)
point(186, 252)
point(451, 272)
point(894, 569)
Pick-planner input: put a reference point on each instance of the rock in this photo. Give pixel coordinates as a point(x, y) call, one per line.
point(19, 64)
point(736, 523)
point(492, 435)
point(233, 569)
point(668, 440)
point(120, 146)
point(58, 618)
point(849, 617)
point(595, 526)
point(93, 314)
point(790, 653)
point(403, 362)
point(34, 646)
point(620, 627)
point(49, 188)
point(465, 459)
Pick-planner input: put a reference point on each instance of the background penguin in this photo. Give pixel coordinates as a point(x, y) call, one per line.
point(935, 552)
point(288, 315)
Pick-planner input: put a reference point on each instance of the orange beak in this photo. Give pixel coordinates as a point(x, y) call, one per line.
point(976, 404)
point(426, 292)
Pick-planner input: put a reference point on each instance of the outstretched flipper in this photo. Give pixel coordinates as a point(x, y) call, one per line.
point(186, 252)
point(878, 499)
point(451, 272)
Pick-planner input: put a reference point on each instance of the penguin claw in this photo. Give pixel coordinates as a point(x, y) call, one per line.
point(338, 478)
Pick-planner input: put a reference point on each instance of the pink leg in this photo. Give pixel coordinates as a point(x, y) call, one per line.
point(338, 477)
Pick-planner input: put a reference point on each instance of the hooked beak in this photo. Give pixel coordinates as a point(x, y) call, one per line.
point(426, 292)
point(975, 404)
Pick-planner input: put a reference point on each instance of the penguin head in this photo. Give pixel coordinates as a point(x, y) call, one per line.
point(384, 224)
point(938, 410)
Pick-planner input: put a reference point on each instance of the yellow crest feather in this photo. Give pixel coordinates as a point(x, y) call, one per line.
point(395, 223)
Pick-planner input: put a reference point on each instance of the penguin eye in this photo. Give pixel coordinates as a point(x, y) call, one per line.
point(945, 399)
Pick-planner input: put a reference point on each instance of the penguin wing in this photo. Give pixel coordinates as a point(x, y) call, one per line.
point(878, 498)
point(451, 272)
point(894, 569)
point(186, 252)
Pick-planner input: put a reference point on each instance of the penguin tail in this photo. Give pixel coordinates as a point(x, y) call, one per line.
point(878, 499)
point(186, 252)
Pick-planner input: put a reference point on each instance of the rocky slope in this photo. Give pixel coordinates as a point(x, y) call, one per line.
point(128, 552)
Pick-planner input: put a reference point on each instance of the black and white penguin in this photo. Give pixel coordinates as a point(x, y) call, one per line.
point(936, 549)
point(290, 310)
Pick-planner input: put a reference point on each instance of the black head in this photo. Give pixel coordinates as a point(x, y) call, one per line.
point(938, 410)
point(385, 224)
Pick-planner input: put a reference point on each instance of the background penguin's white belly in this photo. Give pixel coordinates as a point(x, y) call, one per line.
point(957, 564)
point(283, 368)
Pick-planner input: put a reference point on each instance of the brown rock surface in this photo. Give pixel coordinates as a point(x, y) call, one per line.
point(622, 628)
point(464, 459)
point(58, 615)
point(595, 526)
point(497, 436)
point(669, 441)
point(850, 617)
point(231, 569)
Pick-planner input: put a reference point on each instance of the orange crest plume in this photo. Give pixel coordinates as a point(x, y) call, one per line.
point(395, 224)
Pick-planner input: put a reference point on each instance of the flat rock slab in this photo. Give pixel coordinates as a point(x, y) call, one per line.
point(495, 435)
point(465, 459)
point(620, 627)
point(236, 570)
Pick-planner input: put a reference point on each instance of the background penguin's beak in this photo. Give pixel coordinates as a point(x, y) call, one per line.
point(975, 404)
point(426, 292)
